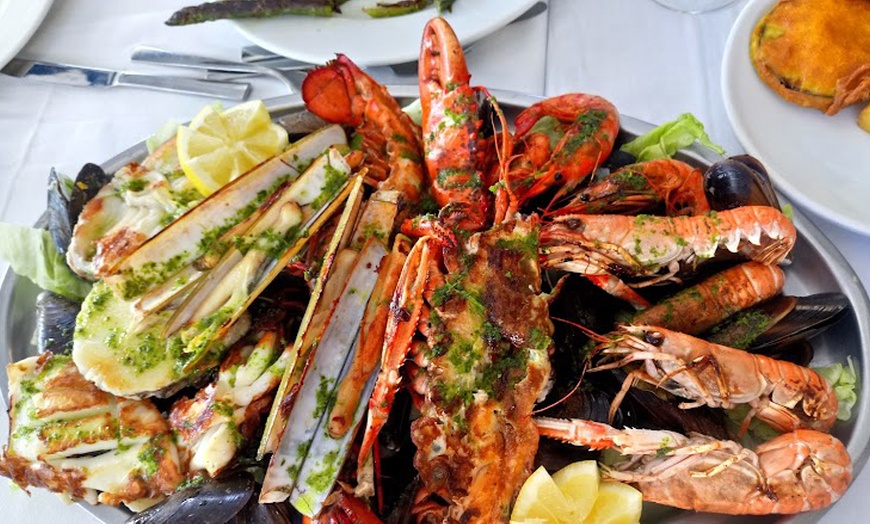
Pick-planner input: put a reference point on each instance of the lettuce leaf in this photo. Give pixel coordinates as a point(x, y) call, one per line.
point(166, 131)
point(31, 253)
point(415, 111)
point(843, 380)
point(666, 139)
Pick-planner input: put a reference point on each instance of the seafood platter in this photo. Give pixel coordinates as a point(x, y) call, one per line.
point(392, 321)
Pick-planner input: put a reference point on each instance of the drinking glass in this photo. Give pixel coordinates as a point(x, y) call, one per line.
point(694, 6)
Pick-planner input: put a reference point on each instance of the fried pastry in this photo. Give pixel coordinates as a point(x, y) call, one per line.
point(815, 53)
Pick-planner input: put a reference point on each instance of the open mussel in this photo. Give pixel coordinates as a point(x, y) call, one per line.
point(214, 501)
point(256, 513)
point(55, 322)
point(67, 198)
point(738, 181)
point(780, 322)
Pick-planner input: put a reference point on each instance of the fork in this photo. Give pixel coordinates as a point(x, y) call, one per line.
point(153, 55)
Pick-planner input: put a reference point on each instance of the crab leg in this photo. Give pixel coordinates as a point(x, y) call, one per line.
point(405, 310)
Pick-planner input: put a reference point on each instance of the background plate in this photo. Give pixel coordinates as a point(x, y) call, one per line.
point(375, 41)
point(821, 162)
point(18, 21)
point(818, 267)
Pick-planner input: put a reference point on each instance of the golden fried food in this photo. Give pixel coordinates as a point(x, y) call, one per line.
point(864, 119)
point(815, 53)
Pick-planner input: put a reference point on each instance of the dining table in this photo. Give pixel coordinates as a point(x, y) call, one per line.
point(651, 62)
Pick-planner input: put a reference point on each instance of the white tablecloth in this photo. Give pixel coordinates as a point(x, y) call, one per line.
point(651, 62)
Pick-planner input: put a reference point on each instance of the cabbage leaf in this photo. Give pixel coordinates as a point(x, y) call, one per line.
point(666, 139)
point(31, 253)
point(843, 381)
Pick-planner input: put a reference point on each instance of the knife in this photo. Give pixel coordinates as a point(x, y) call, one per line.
point(88, 76)
point(153, 55)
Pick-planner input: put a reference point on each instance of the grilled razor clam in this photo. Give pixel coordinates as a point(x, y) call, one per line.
point(130, 354)
point(139, 201)
point(68, 436)
point(221, 417)
point(127, 355)
point(190, 237)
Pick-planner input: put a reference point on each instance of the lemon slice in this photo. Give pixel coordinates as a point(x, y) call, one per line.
point(219, 146)
point(540, 500)
point(579, 483)
point(617, 503)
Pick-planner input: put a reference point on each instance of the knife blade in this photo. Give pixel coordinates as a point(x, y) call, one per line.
point(89, 76)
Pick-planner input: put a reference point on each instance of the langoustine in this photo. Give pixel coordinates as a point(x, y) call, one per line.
point(798, 471)
point(782, 394)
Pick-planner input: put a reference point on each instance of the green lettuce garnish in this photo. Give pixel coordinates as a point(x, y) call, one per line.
point(758, 430)
point(666, 139)
point(31, 253)
point(166, 131)
point(415, 111)
point(843, 380)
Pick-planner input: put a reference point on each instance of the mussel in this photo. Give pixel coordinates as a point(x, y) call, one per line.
point(67, 198)
point(256, 513)
point(738, 181)
point(55, 322)
point(214, 501)
point(780, 322)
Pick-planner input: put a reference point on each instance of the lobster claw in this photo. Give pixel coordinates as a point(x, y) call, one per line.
point(329, 91)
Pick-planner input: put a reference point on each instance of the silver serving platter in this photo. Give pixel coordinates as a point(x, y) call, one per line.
point(818, 267)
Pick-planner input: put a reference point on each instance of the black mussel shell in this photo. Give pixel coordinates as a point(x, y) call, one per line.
point(256, 513)
point(301, 124)
point(214, 502)
point(59, 221)
point(583, 303)
point(810, 316)
point(619, 159)
point(66, 201)
point(658, 413)
point(780, 322)
point(800, 353)
point(55, 322)
point(555, 455)
point(397, 455)
point(401, 511)
point(738, 181)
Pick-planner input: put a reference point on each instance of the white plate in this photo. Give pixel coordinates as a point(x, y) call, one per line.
point(18, 21)
point(821, 162)
point(374, 41)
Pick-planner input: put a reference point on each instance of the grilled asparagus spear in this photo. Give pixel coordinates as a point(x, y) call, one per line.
point(251, 9)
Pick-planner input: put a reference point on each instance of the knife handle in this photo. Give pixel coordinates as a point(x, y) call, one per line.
point(192, 86)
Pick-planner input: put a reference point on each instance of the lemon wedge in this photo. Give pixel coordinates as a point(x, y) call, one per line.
point(219, 146)
point(616, 503)
point(579, 483)
point(540, 501)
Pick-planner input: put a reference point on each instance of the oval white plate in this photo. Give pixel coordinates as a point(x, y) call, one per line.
point(820, 162)
point(18, 21)
point(374, 41)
